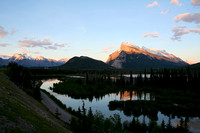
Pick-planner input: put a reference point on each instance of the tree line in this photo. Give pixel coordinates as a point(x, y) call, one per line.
point(22, 77)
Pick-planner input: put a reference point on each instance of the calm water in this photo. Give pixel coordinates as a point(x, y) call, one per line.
point(101, 104)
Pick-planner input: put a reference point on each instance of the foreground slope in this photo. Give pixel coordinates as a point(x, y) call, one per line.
point(21, 113)
point(85, 63)
point(130, 56)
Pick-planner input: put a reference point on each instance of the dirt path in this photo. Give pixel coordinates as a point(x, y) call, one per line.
point(52, 107)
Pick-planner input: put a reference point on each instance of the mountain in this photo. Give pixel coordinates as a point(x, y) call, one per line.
point(28, 61)
point(85, 63)
point(130, 56)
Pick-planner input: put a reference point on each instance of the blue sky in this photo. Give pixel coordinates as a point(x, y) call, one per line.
point(67, 28)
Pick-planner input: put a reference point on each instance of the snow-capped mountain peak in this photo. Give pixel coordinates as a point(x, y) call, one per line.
point(29, 61)
point(40, 58)
point(130, 44)
point(130, 56)
point(131, 48)
point(19, 56)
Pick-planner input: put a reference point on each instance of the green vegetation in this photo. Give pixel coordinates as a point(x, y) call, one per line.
point(86, 88)
point(21, 113)
point(174, 92)
point(95, 123)
point(138, 127)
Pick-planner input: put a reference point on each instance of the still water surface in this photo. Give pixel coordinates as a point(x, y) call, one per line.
point(101, 104)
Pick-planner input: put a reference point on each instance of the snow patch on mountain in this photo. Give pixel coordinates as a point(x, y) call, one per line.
point(161, 53)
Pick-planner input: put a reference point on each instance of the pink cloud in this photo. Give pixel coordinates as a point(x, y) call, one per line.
point(175, 2)
point(4, 44)
point(152, 34)
point(179, 27)
point(196, 2)
point(61, 45)
point(187, 17)
point(46, 43)
point(195, 30)
point(107, 49)
point(36, 52)
point(155, 3)
point(166, 12)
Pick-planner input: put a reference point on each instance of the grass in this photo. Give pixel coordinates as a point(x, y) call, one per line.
point(19, 112)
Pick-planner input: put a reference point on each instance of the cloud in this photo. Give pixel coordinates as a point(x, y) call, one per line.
point(166, 12)
point(3, 32)
point(47, 38)
point(155, 3)
point(51, 47)
point(152, 34)
point(46, 43)
point(187, 17)
point(61, 45)
point(195, 30)
point(107, 49)
point(3, 44)
point(28, 51)
point(175, 2)
point(179, 27)
point(36, 52)
point(179, 31)
point(34, 43)
point(196, 2)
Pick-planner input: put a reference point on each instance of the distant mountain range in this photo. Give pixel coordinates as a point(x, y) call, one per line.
point(28, 61)
point(130, 56)
point(85, 63)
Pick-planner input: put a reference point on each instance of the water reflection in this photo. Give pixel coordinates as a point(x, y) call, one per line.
point(101, 104)
point(133, 95)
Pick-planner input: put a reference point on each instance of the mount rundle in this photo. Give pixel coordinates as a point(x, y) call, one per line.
point(130, 56)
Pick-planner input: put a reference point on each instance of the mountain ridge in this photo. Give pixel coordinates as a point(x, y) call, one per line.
point(28, 61)
point(85, 63)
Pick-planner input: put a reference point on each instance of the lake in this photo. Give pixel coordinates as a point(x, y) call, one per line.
point(101, 104)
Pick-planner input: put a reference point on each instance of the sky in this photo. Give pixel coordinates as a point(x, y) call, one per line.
point(96, 28)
